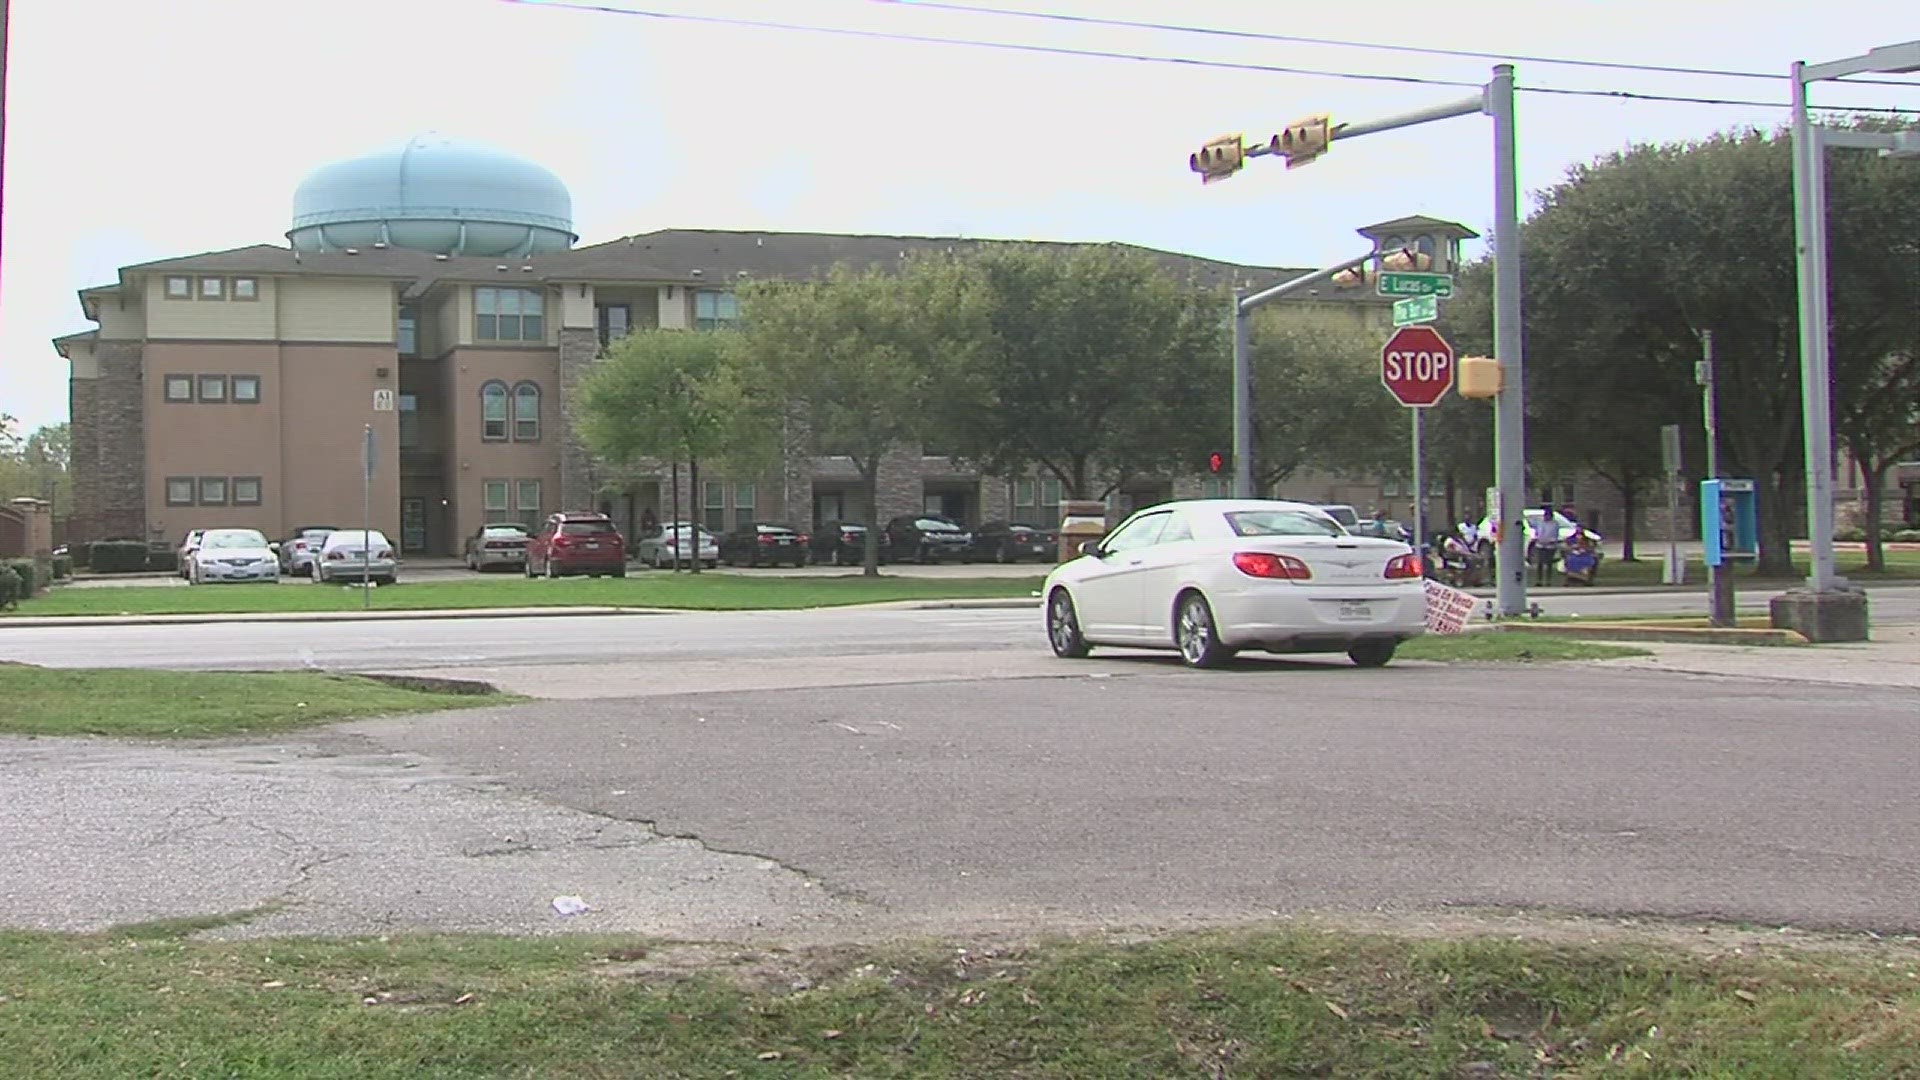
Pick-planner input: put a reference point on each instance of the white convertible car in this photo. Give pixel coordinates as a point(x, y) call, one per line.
point(1212, 577)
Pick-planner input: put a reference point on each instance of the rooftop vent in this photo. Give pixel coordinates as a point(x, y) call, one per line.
point(697, 273)
point(741, 273)
point(379, 245)
point(353, 251)
point(527, 269)
point(759, 241)
point(502, 268)
point(440, 258)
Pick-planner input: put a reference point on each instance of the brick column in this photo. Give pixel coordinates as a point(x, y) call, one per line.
point(579, 349)
point(112, 500)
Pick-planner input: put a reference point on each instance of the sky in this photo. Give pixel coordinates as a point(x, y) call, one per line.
point(139, 130)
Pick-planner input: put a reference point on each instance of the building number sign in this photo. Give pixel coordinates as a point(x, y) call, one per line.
point(383, 400)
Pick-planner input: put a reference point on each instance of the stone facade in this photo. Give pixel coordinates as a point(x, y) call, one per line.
point(109, 447)
point(579, 349)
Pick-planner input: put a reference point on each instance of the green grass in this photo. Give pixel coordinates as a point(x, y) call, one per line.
point(1509, 646)
point(1248, 1003)
point(1901, 566)
point(192, 704)
point(714, 592)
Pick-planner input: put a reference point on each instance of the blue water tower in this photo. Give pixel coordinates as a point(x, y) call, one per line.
point(1729, 521)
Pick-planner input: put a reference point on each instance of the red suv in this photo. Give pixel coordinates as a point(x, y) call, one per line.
point(577, 544)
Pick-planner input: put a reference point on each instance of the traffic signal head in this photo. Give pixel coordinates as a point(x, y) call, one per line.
point(1477, 377)
point(1405, 259)
point(1352, 278)
point(1216, 462)
point(1218, 158)
point(1301, 141)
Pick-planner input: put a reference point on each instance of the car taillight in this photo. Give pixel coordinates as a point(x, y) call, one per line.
point(849, 536)
point(765, 539)
point(383, 553)
point(1265, 564)
point(1405, 566)
point(336, 556)
point(562, 541)
point(803, 538)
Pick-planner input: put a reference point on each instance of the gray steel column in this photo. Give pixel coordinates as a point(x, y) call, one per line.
point(1242, 403)
point(1816, 411)
point(1509, 418)
point(1419, 487)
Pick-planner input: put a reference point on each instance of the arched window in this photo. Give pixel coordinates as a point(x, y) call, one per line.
point(526, 412)
point(493, 410)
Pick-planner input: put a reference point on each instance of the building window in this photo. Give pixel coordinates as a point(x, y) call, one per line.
point(246, 288)
point(526, 412)
point(1023, 491)
point(1050, 491)
point(246, 491)
point(714, 309)
point(409, 421)
point(743, 497)
point(213, 388)
point(494, 502)
point(406, 337)
point(714, 506)
point(508, 315)
point(179, 491)
point(616, 321)
point(213, 491)
point(213, 288)
point(246, 389)
point(179, 388)
point(526, 500)
point(493, 411)
point(179, 288)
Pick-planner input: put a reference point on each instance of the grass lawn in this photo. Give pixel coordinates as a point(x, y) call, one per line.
point(1901, 566)
point(717, 592)
point(1247, 1003)
point(192, 704)
point(1510, 645)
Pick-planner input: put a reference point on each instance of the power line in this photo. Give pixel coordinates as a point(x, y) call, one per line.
point(1422, 50)
point(1149, 58)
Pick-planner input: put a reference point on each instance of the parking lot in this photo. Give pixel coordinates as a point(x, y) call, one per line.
point(440, 569)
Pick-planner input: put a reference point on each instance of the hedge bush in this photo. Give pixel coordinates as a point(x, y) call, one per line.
point(117, 556)
point(27, 577)
point(1907, 536)
point(9, 587)
point(167, 561)
point(62, 567)
point(78, 553)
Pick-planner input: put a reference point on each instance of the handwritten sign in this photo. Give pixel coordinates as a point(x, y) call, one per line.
point(1448, 608)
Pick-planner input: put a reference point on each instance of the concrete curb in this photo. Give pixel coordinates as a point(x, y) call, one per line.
point(1627, 631)
point(555, 612)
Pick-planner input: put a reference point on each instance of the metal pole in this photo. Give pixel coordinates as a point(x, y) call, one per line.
point(1509, 418)
point(366, 525)
point(1720, 592)
point(1419, 489)
point(1810, 246)
point(1242, 402)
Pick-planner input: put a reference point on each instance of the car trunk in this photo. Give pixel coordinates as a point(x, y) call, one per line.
point(1336, 561)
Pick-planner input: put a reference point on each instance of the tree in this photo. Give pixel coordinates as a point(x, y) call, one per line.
point(1317, 398)
point(36, 466)
point(1095, 364)
point(848, 360)
point(675, 395)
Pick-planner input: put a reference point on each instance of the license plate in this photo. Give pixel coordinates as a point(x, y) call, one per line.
point(591, 546)
point(1352, 611)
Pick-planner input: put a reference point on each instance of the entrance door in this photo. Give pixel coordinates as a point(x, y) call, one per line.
point(829, 506)
point(413, 525)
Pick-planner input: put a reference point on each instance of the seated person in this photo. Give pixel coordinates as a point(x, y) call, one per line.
point(1582, 559)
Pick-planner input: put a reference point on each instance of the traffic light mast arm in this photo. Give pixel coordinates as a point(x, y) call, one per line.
point(1463, 107)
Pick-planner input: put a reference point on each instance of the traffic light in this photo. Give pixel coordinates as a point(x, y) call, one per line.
point(1406, 259)
point(1218, 158)
point(1351, 278)
point(1216, 462)
point(1301, 141)
point(1477, 377)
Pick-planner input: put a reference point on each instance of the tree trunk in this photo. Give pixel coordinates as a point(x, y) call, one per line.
point(1775, 496)
point(870, 494)
point(693, 493)
point(1077, 483)
point(1453, 500)
point(1628, 504)
point(1876, 479)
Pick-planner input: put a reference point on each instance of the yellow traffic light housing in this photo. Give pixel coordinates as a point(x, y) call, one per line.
point(1351, 278)
point(1406, 259)
point(1477, 377)
point(1302, 141)
point(1218, 158)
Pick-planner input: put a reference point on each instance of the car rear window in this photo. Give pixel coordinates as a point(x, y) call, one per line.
point(585, 528)
point(777, 530)
point(507, 532)
point(1282, 523)
point(936, 525)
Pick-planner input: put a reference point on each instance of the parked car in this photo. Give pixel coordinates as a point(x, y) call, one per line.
point(660, 548)
point(1384, 528)
point(503, 543)
point(1008, 541)
point(183, 555)
point(302, 546)
point(233, 555)
point(924, 538)
point(356, 555)
point(1533, 516)
point(1210, 578)
point(1346, 515)
point(844, 543)
point(577, 543)
point(764, 543)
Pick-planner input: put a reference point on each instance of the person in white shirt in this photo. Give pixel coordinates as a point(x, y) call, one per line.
point(1546, 545)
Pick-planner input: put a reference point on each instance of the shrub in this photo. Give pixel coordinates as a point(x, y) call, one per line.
point(62, 567)
point(1850, 535)
point(167, 561)
point(1907, 536)
point(117, 556)
point(9, 587)
point(78, 553)
point(29, 574)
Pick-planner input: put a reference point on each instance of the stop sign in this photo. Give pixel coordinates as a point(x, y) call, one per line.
point(1417, 366)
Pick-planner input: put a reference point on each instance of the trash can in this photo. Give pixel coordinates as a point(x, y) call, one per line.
point(1080, 521)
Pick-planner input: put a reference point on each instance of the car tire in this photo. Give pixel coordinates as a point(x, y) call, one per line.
point(1196, 635)
point(1004, 555)
point(1372, 654)
point(836, 559)
point(527, 568)
point(620, 571)
point(387, 582)
point(1063, 628)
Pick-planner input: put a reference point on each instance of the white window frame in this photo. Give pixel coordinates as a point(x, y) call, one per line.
point(493, 302)
point(184, 290)
point(528, 508)
point(505, 419)
point(245, 288)
point(501, 514)
point(233, 491)
point(515, 417)
point(219, 288)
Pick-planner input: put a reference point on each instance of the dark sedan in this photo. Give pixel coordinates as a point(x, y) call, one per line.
point(844, 543)
point(924, 538)
point(1010, 541)
point(764, 544)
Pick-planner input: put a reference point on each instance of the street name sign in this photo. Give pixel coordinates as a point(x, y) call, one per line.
point(1416, 309)
point(1416, 366)
point(1410, 283)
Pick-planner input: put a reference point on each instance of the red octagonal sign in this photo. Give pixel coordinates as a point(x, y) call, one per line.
point(1417, 366)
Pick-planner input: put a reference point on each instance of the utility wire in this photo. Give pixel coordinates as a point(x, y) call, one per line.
point(1182, 61)
point(1422, 50)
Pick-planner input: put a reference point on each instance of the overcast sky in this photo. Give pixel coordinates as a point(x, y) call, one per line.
point(139, 130)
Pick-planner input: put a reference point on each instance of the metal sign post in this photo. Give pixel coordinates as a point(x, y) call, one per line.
point(1675, 571)
point(1419, 490)
point(1720, 575)
point(370, 457)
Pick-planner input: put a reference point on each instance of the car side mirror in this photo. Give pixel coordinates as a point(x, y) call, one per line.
point(1091, 547)
point(274, 547)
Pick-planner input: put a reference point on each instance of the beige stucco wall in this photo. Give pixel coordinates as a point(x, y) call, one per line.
point(215, 439)
point(576, 306)
point(337, 309)
point(472, 460)
point(82, 363)
point(321, 438)
point(122, 318)
point(676, 307)
point(226, 319)
point(643, 304)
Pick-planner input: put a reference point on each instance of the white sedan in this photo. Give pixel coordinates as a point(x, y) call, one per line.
point(233, 555)
point(660, 548)
point(1212, 577)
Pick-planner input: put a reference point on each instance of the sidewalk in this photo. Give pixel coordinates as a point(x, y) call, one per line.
point(551, 612)
point(1892, 659)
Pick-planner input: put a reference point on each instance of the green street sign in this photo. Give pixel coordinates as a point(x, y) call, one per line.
point(1415, 310)
point(1412, 284)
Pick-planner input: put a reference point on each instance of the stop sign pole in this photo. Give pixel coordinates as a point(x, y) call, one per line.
point(1416, 367)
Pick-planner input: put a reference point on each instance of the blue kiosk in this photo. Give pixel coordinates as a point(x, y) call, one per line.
point(1729, 521)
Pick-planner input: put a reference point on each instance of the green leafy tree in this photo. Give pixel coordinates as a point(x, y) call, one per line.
point(37, 465)
point(676, 395)
point(1317, 398)
point(1095, 364)
point(848, 361)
